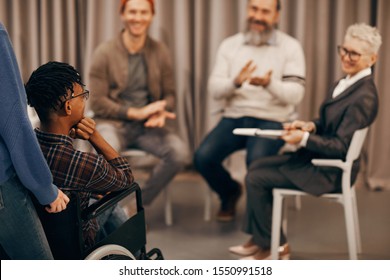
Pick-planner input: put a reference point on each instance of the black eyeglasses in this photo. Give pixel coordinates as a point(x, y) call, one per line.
point(352, 55)
point(84, 94)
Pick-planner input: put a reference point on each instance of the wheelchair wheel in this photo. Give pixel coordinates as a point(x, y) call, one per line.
point(111, 252)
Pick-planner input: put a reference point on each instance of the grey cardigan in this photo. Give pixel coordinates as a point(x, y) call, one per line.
point(109, 77)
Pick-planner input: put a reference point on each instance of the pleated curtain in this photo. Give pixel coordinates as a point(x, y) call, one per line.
point(69, 31)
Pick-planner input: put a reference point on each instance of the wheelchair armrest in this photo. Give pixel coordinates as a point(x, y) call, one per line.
point(330, 163)
point(109, 201)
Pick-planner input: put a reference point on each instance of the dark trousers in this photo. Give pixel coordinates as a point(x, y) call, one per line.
point(221, 142)
point(263, 176)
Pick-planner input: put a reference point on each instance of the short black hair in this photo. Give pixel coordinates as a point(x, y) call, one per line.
point(47, 87)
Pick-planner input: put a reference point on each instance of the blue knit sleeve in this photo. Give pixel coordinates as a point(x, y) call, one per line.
point(16, 130)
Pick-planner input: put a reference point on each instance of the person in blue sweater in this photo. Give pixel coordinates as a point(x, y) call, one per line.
point(23, 169)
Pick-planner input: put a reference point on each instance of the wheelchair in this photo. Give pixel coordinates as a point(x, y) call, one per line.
point(64, 233)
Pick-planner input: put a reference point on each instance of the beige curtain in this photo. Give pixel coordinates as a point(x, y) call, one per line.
point(378, 175)
point(69, 31)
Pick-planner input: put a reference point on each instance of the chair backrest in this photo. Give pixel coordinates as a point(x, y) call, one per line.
point(63, 229)
point(356, 144)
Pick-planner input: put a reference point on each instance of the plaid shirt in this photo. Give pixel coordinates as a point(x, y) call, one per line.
point(88, 172)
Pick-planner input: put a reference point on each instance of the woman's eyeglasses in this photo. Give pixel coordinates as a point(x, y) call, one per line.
point(352, 55)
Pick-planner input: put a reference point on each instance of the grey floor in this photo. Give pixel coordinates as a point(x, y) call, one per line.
point(317, 231)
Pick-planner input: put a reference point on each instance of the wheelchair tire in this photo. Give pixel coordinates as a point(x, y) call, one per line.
point(111, 252)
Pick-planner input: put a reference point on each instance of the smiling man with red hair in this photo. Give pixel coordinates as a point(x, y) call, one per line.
point(123, 5)
point(133, 95)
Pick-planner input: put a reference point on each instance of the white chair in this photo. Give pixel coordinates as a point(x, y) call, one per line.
point(347, 198)
point(168, 204)
point(208, 204)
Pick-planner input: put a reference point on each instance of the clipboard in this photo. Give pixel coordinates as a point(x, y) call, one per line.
point(257, 132)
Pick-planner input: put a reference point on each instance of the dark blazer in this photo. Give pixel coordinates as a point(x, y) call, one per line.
point(353, 109)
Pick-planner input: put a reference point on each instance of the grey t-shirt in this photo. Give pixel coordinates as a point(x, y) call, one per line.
point(136, 93)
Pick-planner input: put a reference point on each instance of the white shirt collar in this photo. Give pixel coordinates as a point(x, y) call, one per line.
point(349, 81)
point(363, 73)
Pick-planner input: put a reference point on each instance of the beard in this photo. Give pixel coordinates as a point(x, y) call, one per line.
point(258, 38)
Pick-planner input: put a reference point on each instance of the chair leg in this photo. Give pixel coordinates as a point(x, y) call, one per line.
point(351, 233)
point(298, 202)
point(207, 205)
point(356, 221)
point(168, 207)
point(276, 224)
point(284, 216)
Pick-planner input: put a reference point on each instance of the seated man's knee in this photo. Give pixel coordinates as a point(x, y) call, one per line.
point(201, 159)
point(179, 152)
point(111, 134)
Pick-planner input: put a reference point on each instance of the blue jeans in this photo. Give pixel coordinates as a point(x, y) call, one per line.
point(110, 220)
point(221, 142)
point(21, 233)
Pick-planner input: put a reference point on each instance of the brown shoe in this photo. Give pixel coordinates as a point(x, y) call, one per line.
point(284, 254)
point(228, 207)
point(225, 216)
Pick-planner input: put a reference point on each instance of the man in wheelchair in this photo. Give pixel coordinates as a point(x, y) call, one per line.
point(57, 93)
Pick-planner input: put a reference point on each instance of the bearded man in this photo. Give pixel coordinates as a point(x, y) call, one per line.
point(259, 74)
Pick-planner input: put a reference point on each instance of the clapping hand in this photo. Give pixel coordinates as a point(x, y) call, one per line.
point(245, 73)
point(261, 81)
